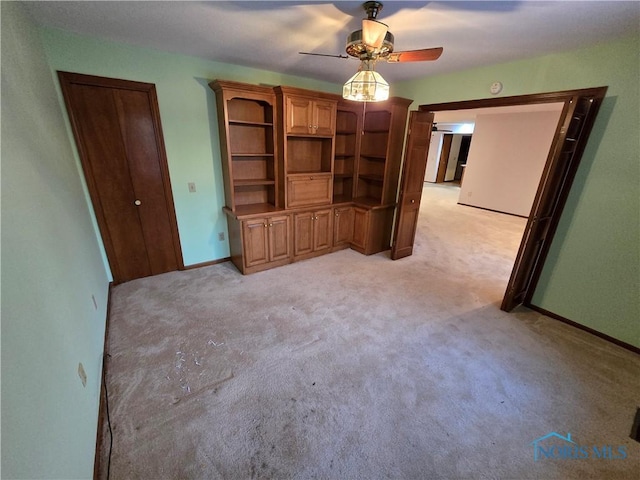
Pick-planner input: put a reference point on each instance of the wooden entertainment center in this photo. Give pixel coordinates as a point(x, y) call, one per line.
point(306, 173)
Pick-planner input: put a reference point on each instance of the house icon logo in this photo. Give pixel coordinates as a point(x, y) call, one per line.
point(538, 446)
point(558, 447)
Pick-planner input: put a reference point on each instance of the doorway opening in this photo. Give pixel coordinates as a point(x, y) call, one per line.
point(579, 111)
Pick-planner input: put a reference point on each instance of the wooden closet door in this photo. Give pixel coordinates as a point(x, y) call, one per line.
point(412, 181)
point(119, 140)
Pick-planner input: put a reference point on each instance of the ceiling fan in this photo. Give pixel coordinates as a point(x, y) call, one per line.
point(434, 128)
point(375, 42)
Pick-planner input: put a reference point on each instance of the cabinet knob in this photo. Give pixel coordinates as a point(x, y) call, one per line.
point(337, 214)
point(265, 225)
point(315, 126)
point(310, 178)
point(413, 201)
point(137, 203)
point(310, 126)
point(271, 224)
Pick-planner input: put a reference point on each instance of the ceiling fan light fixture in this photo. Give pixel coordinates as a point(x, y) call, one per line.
point(366, 86)
point(373, 33)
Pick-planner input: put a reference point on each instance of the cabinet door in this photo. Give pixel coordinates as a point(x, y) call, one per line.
point(308, 190)
point(255, 242)
point(303, 233)
point(324, 117)
point(279, 246)
point(360, 227)
point(299, 115)
point(322, 231)
point(342, 226)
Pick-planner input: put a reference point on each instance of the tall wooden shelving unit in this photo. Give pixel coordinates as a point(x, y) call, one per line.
point(250, 168)
point(306, 173)
point(348, 134)
point(378, 173)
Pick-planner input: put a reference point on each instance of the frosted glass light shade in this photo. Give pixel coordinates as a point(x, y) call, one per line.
point(366, 86)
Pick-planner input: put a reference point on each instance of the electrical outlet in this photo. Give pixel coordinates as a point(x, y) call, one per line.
point(82, 374)
point(221, 236)
point(192, 187)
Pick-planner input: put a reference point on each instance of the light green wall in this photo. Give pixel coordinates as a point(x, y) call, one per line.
point(189, 123)
point(592, 274)
point(51, 266)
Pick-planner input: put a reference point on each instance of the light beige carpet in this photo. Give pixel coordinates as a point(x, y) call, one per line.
point(355, 367)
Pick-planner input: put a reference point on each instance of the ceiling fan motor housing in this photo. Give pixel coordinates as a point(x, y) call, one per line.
point(356, 48)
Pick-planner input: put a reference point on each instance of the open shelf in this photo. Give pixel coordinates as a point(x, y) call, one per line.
point(367, 201)
point(342, 188)
point(342, 199)
point(250, 156)
point(252, 182)
point(371, 189)
point(309, 155)
point(251, 192)
point(250, 124)
point(250, 139)
point(255, 208)
point(346, 122)
point(377, 121)
point(372, 178)
point(249, 111)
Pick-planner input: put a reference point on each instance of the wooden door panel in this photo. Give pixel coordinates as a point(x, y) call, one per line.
point(413, 171)
point(305, 190)
point(139, 136)
point(360, 227)
point(107, 171)
point(255, 242)
point(299, 115)
point(406, 235)
point(117, 130)
point(342, 226)
point(324, 118)
point(303, 233)
point(322, 232)
point(279, 235)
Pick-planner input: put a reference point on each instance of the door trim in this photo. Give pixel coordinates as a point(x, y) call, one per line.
point(443, 160)
point(525, 255)
point(67, 79)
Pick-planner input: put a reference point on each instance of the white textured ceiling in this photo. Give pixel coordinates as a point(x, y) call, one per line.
point(269, 35)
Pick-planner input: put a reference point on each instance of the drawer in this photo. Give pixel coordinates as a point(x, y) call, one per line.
point(308, 189)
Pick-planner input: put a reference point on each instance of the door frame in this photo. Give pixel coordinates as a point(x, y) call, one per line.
point(443, 159)
point(67, 79)
point(527, 259)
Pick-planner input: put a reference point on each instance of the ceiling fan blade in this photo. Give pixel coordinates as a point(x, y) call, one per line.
point(373, 33)
point(426, 54)
point(323, 55)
